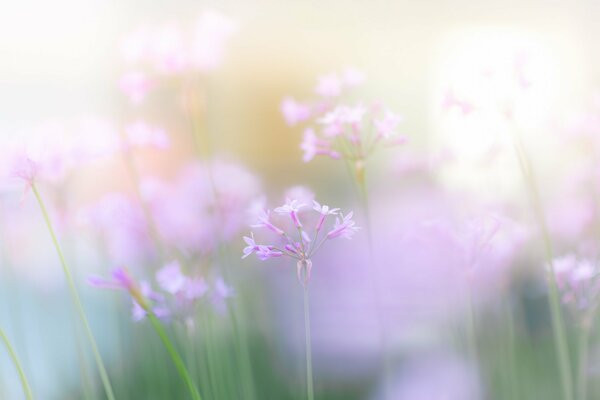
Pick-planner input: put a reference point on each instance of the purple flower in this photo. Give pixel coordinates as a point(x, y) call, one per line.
point(324, 211)
point(329, 86)
point(291, 207)
point(578, 281)
point(298, 243)
point(170, 278)
point(294, 112)
point(344, 227)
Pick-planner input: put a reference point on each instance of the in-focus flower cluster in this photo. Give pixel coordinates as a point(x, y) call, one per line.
point(341, 129)
point(177, 296)
point(578, 281)
point(298, 231)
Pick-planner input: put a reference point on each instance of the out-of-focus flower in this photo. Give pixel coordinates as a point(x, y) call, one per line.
point(170, 49)
point(178, 297)
point(296, 242)
point(136, 86)
point(141, 134)
point(141, 294)
point(578, 281)
point(206, 204)
point(120, 224)
point(295, 112)
point(211, 34)
point(329, 86)
point(451, 101)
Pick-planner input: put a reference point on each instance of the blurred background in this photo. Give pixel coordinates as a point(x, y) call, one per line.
point(63, 70)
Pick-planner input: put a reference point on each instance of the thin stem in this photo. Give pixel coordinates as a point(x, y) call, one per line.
point(179, 364)
point(309, 376)
point(512, 364)
point(471, 328)
point(76, 300)
point(558, 327)
point(15, 360)
point(584, 340)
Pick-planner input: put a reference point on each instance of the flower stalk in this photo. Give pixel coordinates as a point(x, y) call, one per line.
point(308, 349)
point(558, 327)
point(75, 297)
point(17, 364)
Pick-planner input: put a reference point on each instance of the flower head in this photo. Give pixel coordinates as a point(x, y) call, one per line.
point(578, 281)
point(296, 242)
point(344, 227)
point(339, 129)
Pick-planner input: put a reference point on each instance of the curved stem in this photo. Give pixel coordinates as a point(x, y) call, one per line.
point(179, 364)
point(15, 360)
point(309, 376)
point(76, 300)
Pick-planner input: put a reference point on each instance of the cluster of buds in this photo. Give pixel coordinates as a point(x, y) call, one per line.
point(292, 238)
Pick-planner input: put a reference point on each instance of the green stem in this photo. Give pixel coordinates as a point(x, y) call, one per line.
point(558, 327)
point(179, 364)
point(584, 339)
point(15, 360)
point(471, 329)
point(512, 364)
point(308, 349)
point(76, 300)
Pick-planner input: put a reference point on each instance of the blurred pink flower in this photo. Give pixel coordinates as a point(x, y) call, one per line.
point(295, 112)
point(205, 204)
point(329, 86)
point(141, 134)
point(578, 281)
point(211, 33)
point(120, 224)
point(136, 86)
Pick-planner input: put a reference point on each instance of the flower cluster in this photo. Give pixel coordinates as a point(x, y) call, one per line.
point(54, 149)
point(578, 281)
point(169, 50)
point(292, 238)
point(338, 129)
point(177, 297)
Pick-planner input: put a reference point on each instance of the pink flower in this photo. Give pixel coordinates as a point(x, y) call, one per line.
point(170, 278)
point(386, 126)
point(136, 86)
point(26, 169)
point(324, 211)
point(451, 101)
point(141, 134)
point(252, 246)
point(344, 227)
point(291, 207)
point(329, 86)
point(312, 145)
point(211, 33)
point(297, 243)
point(578, 281)
point(294, 112)
point(264, 221)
